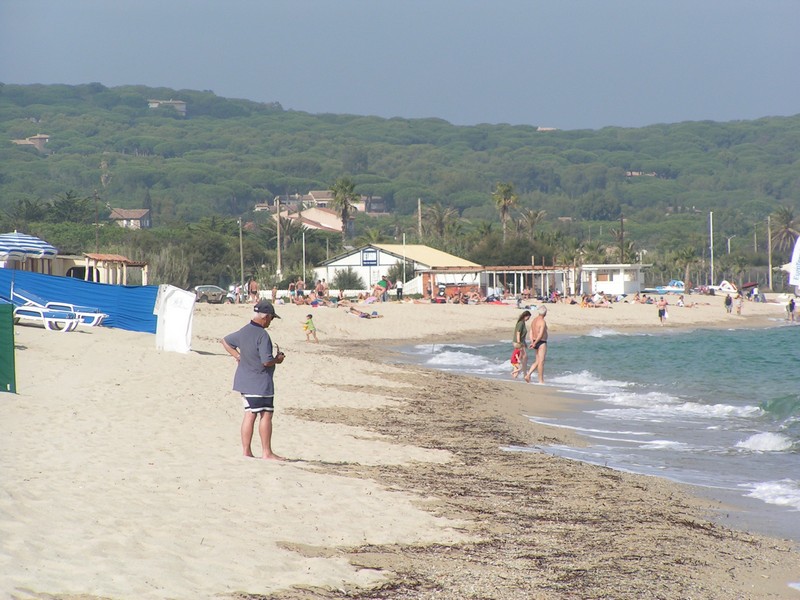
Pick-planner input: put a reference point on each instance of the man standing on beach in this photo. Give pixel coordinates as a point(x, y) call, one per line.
point(662, 310)
point(251, 346)
point(538, 343)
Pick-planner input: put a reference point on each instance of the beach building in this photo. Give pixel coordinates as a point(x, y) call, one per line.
point(423, 265)
point(612, 279)
point(431, 272)
point(100, 268)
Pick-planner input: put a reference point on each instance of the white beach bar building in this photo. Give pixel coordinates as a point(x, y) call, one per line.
point(615, 280)
point(373, 261)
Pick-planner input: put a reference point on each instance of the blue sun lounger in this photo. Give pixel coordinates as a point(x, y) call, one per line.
point(86, 314)
point(54, 320)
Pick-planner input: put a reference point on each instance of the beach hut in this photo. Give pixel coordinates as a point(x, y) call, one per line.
point(614, 279)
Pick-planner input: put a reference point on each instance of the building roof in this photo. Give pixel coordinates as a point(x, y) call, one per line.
point(128, 213)
point(418, 253)
point(115, 258)
point(426, 255)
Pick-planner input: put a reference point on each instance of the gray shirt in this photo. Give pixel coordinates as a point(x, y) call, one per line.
point(255, 348)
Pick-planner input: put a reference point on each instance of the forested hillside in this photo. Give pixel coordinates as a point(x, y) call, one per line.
point(569, 189)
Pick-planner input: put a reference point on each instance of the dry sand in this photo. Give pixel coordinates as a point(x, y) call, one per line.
point(122, 476)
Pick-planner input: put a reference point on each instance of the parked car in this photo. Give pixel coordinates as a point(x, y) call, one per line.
point(210, 293)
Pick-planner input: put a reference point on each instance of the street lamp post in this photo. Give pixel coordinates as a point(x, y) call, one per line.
point(729, 242)
point(241, 258)
point(278, 221)
point(711, 243)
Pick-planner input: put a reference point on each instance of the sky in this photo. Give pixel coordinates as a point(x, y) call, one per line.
point(570, 64)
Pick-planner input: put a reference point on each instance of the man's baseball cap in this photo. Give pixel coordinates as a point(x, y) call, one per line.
point(265, 308)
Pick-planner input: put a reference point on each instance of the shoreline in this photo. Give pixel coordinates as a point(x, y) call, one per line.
point(525, 505)
point(729, 507)
point(398, 486)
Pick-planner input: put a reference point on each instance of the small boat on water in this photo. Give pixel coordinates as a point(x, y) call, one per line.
point(675, 286)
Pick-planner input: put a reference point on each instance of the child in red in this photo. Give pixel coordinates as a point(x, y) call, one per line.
point(515, 366)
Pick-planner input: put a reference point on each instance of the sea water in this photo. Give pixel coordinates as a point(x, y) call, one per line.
point(718, 409)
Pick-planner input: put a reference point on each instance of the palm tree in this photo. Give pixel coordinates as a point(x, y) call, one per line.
point(437, 218)
point(344, 196)
point(372, 235)
point(686, 256)
point(530, 218)
point(593, 252)
point(785, 231)
point(504, 198)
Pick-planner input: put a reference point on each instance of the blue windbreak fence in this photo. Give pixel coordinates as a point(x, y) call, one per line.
point(128, 307)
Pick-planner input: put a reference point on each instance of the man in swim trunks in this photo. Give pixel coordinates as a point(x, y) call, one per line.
point(538, 343)
point(251, 346)
point(662, 310)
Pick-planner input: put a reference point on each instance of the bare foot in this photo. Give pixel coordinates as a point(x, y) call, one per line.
point(272, 457)
point(527, 378)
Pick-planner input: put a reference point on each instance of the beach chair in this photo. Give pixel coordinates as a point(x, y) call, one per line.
point(53, 320)
point(89, 316)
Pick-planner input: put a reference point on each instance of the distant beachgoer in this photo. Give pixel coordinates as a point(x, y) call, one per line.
point(520, 336)
point(300, 288)
point(399, 287)
point(365, 315)
point(252, 348)
point(728, 304)
point(274, 294)
point(252, 290)
point(538, 343)
point(310, 329)
point(662, 309)
point(739, 303)
point(790, 310)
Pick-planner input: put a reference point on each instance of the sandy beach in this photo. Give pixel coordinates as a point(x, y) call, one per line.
point(122, 475)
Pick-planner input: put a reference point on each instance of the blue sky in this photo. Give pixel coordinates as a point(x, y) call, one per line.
point(562, 63)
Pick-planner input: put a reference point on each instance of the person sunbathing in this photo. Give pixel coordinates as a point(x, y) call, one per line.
point(364, 315)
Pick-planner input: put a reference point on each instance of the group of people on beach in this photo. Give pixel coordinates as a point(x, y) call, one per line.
point(537, 343)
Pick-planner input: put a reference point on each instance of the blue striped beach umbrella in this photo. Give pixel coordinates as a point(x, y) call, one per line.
point(19, 246)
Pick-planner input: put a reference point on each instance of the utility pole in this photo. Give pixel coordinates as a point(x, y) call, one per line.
point(278, 214)
point(769, 250)
point(621, 238)
point(96, 224)
point(711, 243)
point(419, 218)
point(241, 257)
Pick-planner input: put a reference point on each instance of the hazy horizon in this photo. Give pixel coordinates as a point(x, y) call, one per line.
point(569, 65)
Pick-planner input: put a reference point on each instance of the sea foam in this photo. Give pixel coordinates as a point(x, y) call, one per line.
point(766, 442)
point(785, 492)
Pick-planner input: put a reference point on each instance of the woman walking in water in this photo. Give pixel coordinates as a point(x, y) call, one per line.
point(520, 335)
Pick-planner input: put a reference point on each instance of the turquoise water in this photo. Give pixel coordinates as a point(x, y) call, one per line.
point(713, 408)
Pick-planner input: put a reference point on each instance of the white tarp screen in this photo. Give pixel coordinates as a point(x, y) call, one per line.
point(794, 271)
point(175, 311)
